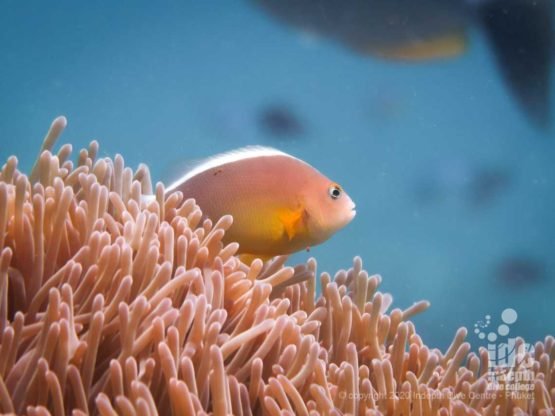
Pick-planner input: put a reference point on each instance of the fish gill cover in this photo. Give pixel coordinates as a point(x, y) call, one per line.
point(113, 305)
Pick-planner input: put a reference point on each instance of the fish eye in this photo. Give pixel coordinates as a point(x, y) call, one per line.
point(334, 191)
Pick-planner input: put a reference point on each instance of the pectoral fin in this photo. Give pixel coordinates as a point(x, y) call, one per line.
point(293, 222)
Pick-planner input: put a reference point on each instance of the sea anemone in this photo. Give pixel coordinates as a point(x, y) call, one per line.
point(113, 302)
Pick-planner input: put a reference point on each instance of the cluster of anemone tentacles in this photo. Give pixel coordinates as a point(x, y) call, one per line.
point(114, 304)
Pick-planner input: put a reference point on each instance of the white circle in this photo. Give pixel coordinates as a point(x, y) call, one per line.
point(481, 335)
point(503, 330)
point(488, 317)
point(476, 331)
point(492, 337)
point(509, 316)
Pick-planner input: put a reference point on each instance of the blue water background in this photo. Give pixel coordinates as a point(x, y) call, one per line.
point(163, 84)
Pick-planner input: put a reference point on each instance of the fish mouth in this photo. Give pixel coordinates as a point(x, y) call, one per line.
point(353, 211)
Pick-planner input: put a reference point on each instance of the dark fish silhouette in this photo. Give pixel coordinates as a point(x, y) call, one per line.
point(488, 183)
point(519, 271)
point(280, 121)
point(520, 33)
point(455, 178)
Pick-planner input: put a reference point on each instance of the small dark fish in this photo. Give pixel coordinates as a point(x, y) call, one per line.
point(487, 184)
point(280, 121)
point(519, 271)
point(459, 179)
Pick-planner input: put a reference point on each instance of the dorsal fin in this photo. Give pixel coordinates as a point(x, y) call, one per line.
point(225, 158)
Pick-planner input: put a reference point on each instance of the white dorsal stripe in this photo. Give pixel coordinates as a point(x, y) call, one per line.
point(243, 153)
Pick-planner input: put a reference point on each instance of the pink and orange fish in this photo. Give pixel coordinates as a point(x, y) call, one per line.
point(279, 203)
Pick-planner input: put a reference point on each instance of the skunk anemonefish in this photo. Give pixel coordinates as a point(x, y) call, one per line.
point(279, 203)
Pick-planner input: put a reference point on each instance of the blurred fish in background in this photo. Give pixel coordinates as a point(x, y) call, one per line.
point(451, 178)
point(272, 121)
point(280, 121)
point(520, 33)
point(520, 271)
point(487, 183)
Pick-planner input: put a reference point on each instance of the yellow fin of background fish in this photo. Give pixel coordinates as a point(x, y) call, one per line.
point(293, 221)
point(446, 46)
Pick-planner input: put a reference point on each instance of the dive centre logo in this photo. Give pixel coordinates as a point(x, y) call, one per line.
point(509, 356)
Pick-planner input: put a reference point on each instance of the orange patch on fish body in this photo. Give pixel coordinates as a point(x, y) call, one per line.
point(293, 222)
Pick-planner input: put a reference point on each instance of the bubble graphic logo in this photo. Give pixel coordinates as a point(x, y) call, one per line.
point(503, 351)
point(509, 356)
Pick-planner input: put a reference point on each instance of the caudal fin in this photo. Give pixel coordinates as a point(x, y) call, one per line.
point(521, 33)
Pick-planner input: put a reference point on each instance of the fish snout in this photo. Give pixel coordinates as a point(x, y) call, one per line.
point(353, 211)
point(349, 210)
